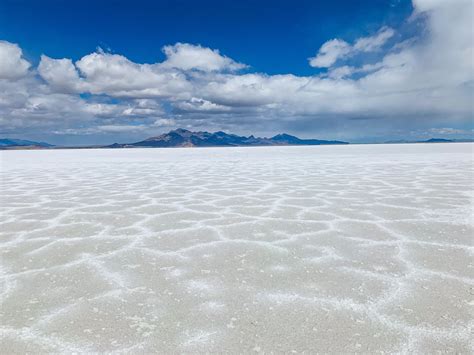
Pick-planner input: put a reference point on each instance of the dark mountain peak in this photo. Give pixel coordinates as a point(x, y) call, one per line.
point(438, 140)
point(180, 131)
point(283, 136)
point(174, 134)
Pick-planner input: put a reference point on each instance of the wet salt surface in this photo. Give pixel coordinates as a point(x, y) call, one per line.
point(333, 249)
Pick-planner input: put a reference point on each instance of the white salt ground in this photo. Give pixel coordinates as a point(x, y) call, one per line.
point(364, 248)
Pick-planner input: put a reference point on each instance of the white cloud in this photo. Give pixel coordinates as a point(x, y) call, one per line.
point(428, 5)
point(12, 63)
point(112, 74)
point(60, 73)
point(201, 105)
point(373, 43)
point(164, 122)
point(337, 49)
point(329, 53)
point(28, 105)
point(187, 57)
point(103, 110)
point(121, 128)
point(341, 72)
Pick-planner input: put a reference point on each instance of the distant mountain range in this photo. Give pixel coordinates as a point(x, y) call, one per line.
point(184, 138)
point(9, 143)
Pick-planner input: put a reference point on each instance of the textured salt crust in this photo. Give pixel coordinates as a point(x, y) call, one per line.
point(330, 249)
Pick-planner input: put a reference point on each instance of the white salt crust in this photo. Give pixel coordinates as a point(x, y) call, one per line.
point(364, 248)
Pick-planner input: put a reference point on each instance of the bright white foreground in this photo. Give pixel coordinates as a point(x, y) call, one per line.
point(332, 249)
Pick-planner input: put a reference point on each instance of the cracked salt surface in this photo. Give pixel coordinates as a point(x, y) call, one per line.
point(274, 249)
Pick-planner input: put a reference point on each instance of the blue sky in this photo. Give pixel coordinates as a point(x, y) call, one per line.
point(251, 32)
point(105, 71)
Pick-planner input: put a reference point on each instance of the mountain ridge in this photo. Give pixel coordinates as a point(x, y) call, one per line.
point(12, 143)
point(184, 138)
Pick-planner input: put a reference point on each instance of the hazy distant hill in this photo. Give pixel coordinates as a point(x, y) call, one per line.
point(9, 143)
point(437, 140)
point(431, 140)
point(184, 138)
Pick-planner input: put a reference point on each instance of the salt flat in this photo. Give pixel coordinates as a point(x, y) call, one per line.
point(363, 248)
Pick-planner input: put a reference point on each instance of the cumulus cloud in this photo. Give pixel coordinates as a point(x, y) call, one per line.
point(112, 74)
point(116, 75)
point(336, 49)
point(59, 73)
point(12, 63)
point(185, 56)
point(329, 53)
point(424, 81)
